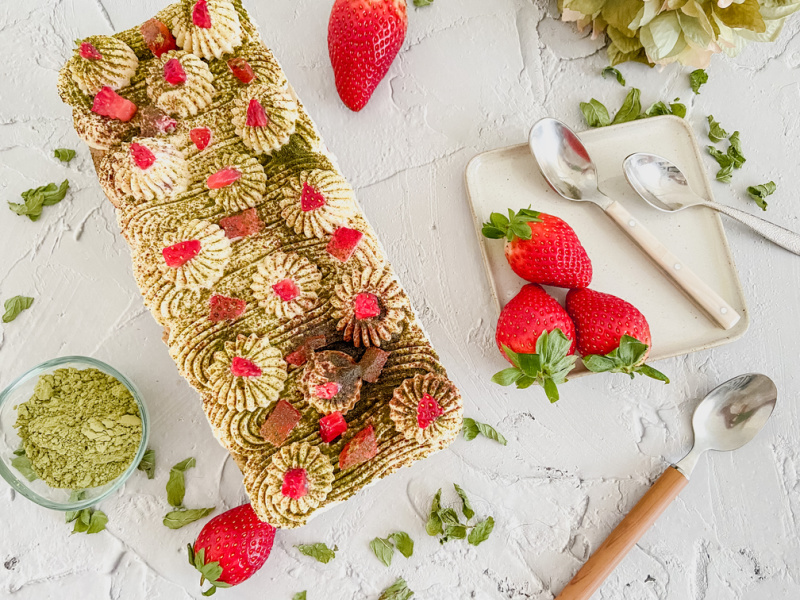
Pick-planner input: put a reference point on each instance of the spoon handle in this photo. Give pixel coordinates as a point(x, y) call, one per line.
point(774, 233)
point(681, 275)
point(611, 552)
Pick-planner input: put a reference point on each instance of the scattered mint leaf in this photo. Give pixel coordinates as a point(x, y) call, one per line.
point(614, 72)
point(678, 109)
point(148, 463)
point(515, 224)
point(36, 199)
point(176, 485)
point(630, 109)
point(83, 521)
point(299, 596)
point(74, 496)
point(421, 3)
point(98, 522)
point(453, 532)
point(715, 131)
point(178, 518)
point(481, 532)
point(759, 193)
point(16, 305)
point(319, 551)
point(434, 525)
point(466, 507)
point(727, 161)
point(595, 113)
point(25, 467)
point(662, 108)
point(627, 358)
point(472, 428)
point(383, 550)
point(397, 591)
point(735, 150)
point(64, 154)
point(697, 79)
point(403, 543)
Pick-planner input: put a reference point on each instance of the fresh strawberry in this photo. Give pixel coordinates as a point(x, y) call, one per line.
point(535, 334)
point(364, 37)
point(158, 37)
point(142, 156)
point(612, 334)
point(343, 243)
point(179, 254)
point(360, 449)
point(327, 390)
point(244, 367)
point(242, 224)
point(201, 137)
point(174, 73)
point(428, 410)
point(332, 426)
point(283, 418)
point(256, 115)
point(541, 248)
point(286, 290)
point(200, 15)
point(231, 547)
point(241, 69)
point(372, 362)
point(223, 178)
point(310, 198)
point(295, 484)
point(108, 103)
point(366, 306)
point(222, 308)
point(89, 52)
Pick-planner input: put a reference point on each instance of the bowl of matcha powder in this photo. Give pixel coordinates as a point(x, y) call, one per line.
point(72, 430)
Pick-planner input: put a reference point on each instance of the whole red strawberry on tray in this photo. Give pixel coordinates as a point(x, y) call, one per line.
point(541, 248)
point(364, 37)
point(231, 548)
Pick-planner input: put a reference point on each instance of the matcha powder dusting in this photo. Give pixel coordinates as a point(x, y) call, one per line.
point(80, 429)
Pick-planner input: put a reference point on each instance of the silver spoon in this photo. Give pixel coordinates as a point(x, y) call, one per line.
point(726, 419)
point(664, 186)
point(567, 167)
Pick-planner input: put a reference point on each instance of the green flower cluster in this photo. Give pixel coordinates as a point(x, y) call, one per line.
point(686, 31)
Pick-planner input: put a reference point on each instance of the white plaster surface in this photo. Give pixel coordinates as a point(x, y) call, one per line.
point(473, 75)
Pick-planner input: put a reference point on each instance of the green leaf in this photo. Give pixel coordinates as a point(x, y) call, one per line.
point(382, 548)
point(403, 543)
point(453, 532)
point(449, 517)
point(550, 389)
point(318, 551)
point(74, 496)
point(715, 131)
point(178, 518)
point(630, 109)
point(598, 364)
point(516, 224)
point(37, 198)
point(678, 109)
point(493, 233)
point(595, 113)
point(614, 72)
point(397, 591)
point(697, 79)
point(148, 463)
point(466, 507)
point(507, 376)
point(649, 371)
point(725, 174)
point(64, 154)
point(97, 523)
point(83, 521)
point(16, 305)
point(759, 193)
point(25, 467)
point(434, 524)
point(472, 428)
point(735, 150)
point(176, 485)
point(481, 532)
point(421, 3)
point(299, 596)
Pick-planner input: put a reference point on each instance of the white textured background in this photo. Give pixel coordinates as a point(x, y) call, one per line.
point(473, 75)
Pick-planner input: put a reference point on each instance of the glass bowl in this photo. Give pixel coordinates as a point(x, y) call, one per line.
point(20, 391)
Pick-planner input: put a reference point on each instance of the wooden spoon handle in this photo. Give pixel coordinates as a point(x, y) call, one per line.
point(624, 537)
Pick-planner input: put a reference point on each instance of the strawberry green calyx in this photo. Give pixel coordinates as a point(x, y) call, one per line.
point(515, 224)
point(210, 572)
point(548, 367)
point(627, 358)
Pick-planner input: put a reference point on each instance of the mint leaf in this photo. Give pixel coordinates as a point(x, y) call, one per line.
point(74, 496)
point(83, 521)
point(403, 543)
point(25, 467)
point(472, 428)
point(148, 463)
point(697, 79)
point(759, 193)
point(481, 532)
point(735, 150)
point(595, 113)
point(615, 73)
point(397, 591)
point(64, 154)
point(36, 199)
point(16, 305)
point(421, 3)
point(299, 596)
point(97, 523)
point(434, 524)
point(630, 109)
point(176, 485)
point(466, 507)
point(318, 551)
point(382, 548)
point(715, 131)
point(178, 518)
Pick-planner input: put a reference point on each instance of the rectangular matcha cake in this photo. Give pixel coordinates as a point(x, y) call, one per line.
point(250, 249)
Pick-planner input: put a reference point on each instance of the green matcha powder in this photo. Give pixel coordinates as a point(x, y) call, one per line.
point(80, 429)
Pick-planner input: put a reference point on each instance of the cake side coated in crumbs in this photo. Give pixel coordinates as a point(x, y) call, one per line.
point(251, 251)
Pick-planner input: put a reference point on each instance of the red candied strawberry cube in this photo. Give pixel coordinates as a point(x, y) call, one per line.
point(310, 198)
point(327, 390)
point(142, 156)
point(279, 424)
point(222, 308)
point(332, 426)
point(256, 115)
point(241, 69)
point(343, 243)
point(295, 483)
point(223, 177)
point(286, 289)
point(158, 37)
point(200, 15)
point(89, 52)
point(108, 103)
point(201, 136)
point(372, 363)
point(243, 367)
point(179, 254)
point(303, 352)
point(360, 449)
point(428, 410)
point(242, 224)
point(174, 73)
point(366, 306)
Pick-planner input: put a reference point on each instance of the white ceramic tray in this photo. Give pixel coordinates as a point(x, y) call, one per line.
point(509, 178)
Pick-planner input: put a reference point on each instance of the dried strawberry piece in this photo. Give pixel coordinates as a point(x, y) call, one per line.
point(223, 308)
point(327, 390)
point(360, 449)
point(242, 224)
point(332, 426)
point(372, 363)
point(241, 69)
point(428, 410)
point(366, 306)
point(343, 243)
point(89, 52)
point(174, 73)
point(256, 115)
point(108, 103)
point(179, 254)
point(200, 15)
point(156, 122)
point(310, 198)
point(295, 484)
point(201, 136)
point(142, 156)
point(158, 37)
point(286, 289)
point(303, 352)
point(222, 178)
point(279, 424)
point(243, 367)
